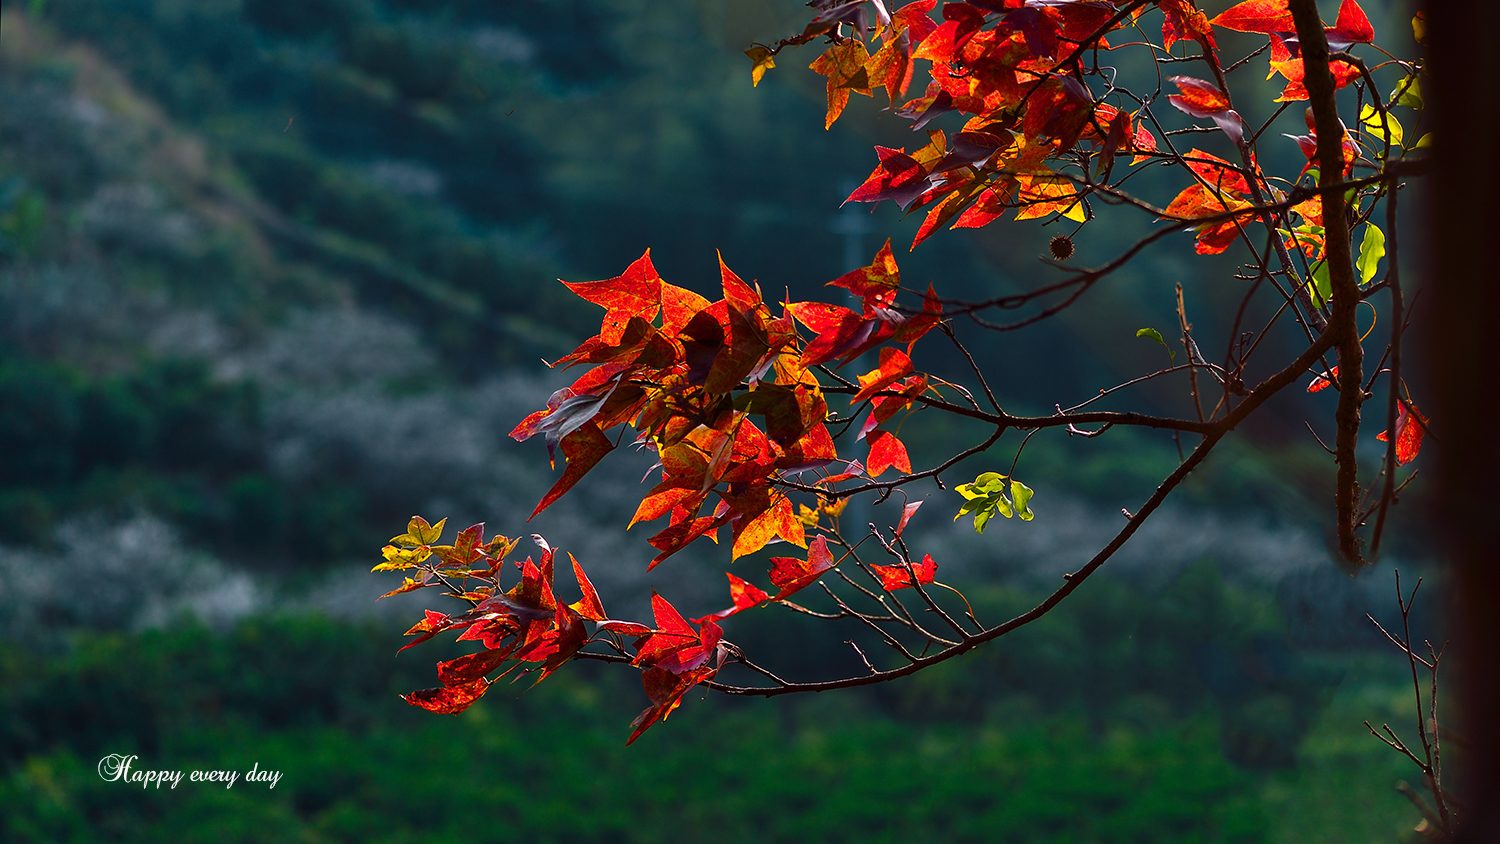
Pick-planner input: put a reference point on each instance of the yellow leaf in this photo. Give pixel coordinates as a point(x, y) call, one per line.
point(425, 534)
point(764, 61)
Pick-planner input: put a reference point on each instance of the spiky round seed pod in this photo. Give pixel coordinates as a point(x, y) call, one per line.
point(1062, 247)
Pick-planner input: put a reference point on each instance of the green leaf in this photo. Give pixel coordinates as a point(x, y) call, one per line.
point(986, 497)
point(1423, 142)
point(990, 482)
point(1322, 287)
point(1370, 252)
point(1412, 96)
point(1156, 335)
point(1021, 494)
point(1370, 116)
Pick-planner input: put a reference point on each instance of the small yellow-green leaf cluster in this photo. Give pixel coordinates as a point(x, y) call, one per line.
point(987, 495)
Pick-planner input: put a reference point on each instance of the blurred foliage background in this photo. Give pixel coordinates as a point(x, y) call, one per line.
point(276, 274)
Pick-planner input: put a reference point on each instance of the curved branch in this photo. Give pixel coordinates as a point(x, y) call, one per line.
point(1257, 397)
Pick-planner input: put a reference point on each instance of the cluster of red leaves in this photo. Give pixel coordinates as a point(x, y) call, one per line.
point(1003, 63)
point(1220, 189)
point(524, 624)
point(692, 378)
point(528, 624)
point(1011, 66)
point(1274, 18)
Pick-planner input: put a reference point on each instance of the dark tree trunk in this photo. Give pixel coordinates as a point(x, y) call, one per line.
point(1464, 271)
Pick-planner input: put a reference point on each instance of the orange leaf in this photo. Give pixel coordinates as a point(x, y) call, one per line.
point(1198, 98)
point(636, 292)
point(755, 530)
point(1295, 73)
point(885, 452)
point(1217, 172)
point(1143, 142)
point(1263, 16)
point(894, 365)
point(844, 65)
point(896, 577)
point(590, 607)
point(408, 584)
point(1182, 20)
point(669, 494)
point(676, 537)
point(678, 306)
point(891, 67)
point(813, 450)
point(876, 284)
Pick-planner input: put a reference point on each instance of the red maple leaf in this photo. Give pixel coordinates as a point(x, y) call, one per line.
point(896, 577)
point(744, 596)
point(665, 690)
point(1410, 425)
point(449, 700)
point(634, 293)
point(886, 451)
point(1263, 16)
point(791, 574)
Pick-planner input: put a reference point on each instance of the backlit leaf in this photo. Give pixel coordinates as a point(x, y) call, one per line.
point(894, 365)
point(1182, 20)
point(743, 594)
point(449, 700)
point(1410, 425)
point(590, 607)
point(886, 452)
point(897, 577)
point(1020, 497)
point(844, 65)
point(1323, 382)
point(1373, 120)
point(1371, 250)
point(791, 574)
point(1352, 27)
point(1263, 16)
point(466, 669)
point(762, 61)
point(634, 293)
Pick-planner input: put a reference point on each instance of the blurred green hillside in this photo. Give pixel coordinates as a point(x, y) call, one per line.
point(214, 215)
